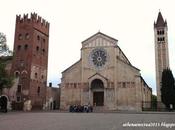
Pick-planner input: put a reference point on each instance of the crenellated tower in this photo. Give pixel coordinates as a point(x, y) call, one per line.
point(30, 61)
point(161, 51)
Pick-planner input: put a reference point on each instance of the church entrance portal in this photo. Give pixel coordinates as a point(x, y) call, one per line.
point(98, 92)
point(98, 98)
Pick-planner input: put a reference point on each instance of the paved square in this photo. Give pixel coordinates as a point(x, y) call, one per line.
point(85, 121)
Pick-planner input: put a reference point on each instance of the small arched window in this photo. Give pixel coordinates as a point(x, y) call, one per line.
point(38, 37)
point(163, 39)
point(26, 47)
point(16, 74)
point(37, 48)
point(24, 74)
point(43, 51)
point(124, 85)
point(20, 37)
point(158, 39)
point(36, 75)
point(44, 40)
point(38, 90)
point(162, 32)
point(27, 36)
point(19, 47)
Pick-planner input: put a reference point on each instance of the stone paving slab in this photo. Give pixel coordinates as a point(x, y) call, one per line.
point(56, 120)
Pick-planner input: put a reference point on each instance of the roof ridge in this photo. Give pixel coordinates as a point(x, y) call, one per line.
point(98, 34)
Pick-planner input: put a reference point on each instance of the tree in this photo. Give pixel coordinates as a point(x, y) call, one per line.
point(6, 80)
point(154, 102)
point(4, 50)
point(3, 41)
point(168, 88)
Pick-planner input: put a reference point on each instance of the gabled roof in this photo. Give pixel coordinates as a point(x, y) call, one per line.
point(71, 66)
point(98, 75)
point(145, 84)
point(99, 33)
point(124, 55)
point(128, 62)
point(160, 21)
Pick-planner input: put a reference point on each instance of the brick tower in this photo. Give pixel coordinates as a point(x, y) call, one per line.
point(161, 51)
point(30, 59)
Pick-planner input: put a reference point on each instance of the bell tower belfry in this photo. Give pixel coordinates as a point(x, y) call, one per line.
point(161, 51)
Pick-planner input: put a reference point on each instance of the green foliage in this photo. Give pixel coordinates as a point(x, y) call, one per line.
point(168, 88)
point(3, 39)
point(154, 102)
point(6, 80)
point(4, 49)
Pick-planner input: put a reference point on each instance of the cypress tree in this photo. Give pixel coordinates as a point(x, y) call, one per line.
point(168, 88)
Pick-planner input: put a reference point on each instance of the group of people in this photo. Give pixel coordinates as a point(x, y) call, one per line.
point(79, 108)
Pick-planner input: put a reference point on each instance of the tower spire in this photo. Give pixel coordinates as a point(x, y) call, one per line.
point(160, 21)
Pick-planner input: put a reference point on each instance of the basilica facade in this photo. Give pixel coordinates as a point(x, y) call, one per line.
point(103, 77)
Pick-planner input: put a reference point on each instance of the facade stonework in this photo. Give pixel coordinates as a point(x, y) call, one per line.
point(161, 51)
point(103, 77)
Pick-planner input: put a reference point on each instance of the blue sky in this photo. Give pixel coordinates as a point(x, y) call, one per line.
point(72, 21)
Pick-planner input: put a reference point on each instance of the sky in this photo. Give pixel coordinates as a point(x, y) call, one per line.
point(73, 21)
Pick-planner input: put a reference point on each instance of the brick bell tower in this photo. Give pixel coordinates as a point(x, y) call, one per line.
point(30, 59)
point(161, 51)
